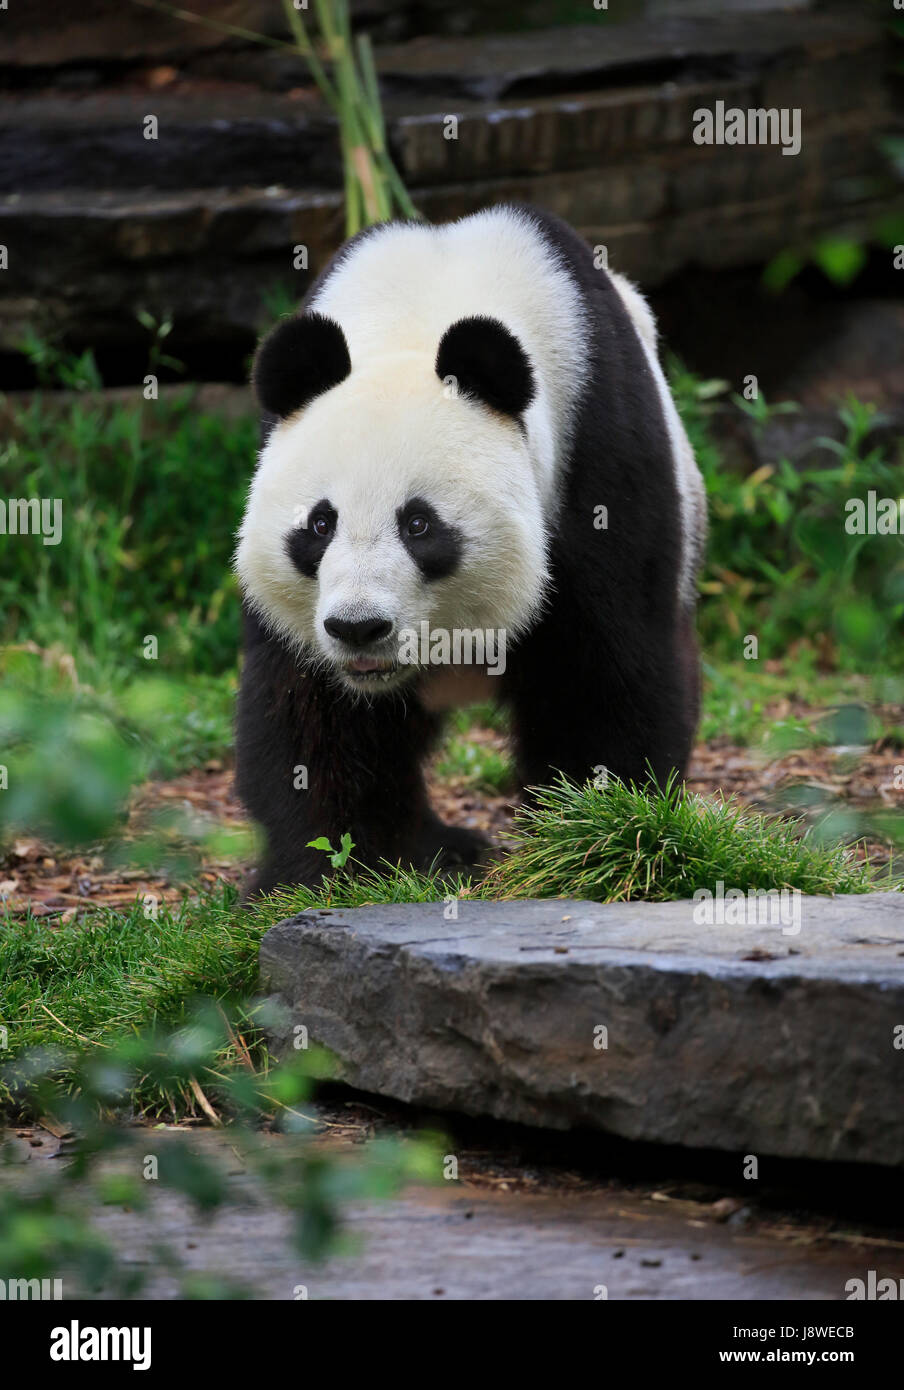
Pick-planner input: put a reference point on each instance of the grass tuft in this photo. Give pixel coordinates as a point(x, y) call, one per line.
point(620, 843)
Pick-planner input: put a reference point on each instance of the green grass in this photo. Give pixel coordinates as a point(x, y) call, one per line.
point(619, 843)
point(742, 700)
point(393, 884)
point(112, 974)
point(471, 762)
point(479, 767)
point(151, 496)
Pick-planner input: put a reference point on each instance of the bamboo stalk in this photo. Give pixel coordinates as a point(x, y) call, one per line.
point(307, 50)
point(373, 187)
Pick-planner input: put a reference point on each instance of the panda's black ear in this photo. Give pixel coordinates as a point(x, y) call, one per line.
point(488, 364)
point(299, 359)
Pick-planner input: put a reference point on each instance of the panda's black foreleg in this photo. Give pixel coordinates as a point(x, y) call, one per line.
point(597, 707)
point(312, 760)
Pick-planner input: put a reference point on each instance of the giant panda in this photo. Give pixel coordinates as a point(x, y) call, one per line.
point(466, 426)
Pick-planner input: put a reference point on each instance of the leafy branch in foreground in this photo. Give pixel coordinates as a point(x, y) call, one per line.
point(46, 1226)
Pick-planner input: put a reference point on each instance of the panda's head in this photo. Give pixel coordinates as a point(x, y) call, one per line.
point(392, 495)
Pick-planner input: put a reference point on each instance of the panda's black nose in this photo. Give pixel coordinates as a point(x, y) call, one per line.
point(362, 632)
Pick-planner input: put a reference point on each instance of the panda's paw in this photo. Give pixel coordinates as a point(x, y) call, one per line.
point(455, 849)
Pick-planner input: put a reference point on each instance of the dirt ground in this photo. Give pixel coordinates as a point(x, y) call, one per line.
point(35, 876)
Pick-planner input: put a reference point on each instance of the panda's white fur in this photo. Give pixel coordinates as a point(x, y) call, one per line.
point(406, 284)
point(392, 430)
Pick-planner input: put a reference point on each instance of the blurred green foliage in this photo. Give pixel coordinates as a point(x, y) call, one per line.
point(840, 258)
point(780, 563)
point(151, 494)
point(70, 756)
point(68, 770)
point(47, 1220)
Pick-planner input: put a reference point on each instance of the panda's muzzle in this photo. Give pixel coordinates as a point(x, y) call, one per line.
point(360, 636)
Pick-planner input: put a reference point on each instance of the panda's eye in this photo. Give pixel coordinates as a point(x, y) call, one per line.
point(322, 525)
point(418, 526)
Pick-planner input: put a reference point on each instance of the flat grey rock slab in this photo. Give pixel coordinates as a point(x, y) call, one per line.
point(631, 1018)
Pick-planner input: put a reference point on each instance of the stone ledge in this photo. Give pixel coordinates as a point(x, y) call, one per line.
point(736, 1038)
point(78, 263)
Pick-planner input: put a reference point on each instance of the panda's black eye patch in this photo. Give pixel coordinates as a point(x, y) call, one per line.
point(306, 544)
point(435, 545)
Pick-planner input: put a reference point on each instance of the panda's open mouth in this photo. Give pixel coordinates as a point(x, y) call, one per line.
point(371, 671)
